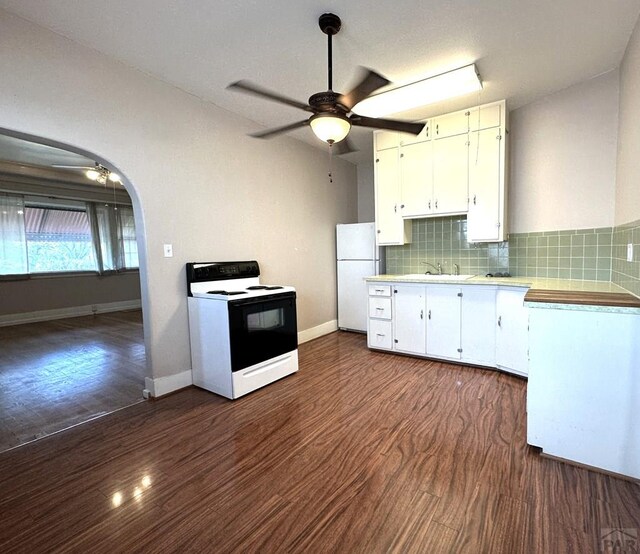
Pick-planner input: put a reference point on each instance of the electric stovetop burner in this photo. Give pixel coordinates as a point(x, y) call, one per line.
point(226, 292)
point(257, 287)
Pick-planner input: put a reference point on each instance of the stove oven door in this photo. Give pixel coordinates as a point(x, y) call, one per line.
point(262, 328)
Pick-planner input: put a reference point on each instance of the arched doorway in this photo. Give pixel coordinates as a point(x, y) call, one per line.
point(72, 274)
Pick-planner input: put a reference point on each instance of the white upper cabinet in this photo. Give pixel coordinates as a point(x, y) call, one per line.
point(450, 175)
point(390, 227)
point(456, 123)
point(416, 174)
point(487, 190)
point(385, 139)
point(486, 117)
point(456, 165)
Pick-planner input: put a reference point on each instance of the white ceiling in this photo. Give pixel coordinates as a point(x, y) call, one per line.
point(524, 49)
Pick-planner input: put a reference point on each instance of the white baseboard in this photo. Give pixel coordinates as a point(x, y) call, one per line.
point(74, 311)
point(164, 385)
point(318, 331)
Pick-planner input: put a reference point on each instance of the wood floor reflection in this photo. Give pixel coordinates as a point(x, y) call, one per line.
point(358, 452)
point(56, 374)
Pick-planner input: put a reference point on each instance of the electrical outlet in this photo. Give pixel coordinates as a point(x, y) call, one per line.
point(630, 252)
point(168, 251)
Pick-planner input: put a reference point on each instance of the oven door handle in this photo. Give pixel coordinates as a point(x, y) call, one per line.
point(262, 299)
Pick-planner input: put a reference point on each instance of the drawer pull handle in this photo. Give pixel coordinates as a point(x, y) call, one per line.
point(379, 290)
point(379, 308)
point(380, 335)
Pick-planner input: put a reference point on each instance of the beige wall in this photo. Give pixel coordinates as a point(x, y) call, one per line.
point(366, 197)
point(563, 152)
point(197, 181)
point(628, 177)
point(53, 293)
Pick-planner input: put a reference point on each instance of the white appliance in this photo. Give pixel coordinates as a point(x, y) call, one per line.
point(358, 257)
point(243, 334)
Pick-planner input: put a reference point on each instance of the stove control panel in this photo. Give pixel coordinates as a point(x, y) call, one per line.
point(199, 272)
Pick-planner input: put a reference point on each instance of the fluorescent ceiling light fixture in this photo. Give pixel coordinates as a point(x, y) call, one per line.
point(427, 91)
point(330, 127)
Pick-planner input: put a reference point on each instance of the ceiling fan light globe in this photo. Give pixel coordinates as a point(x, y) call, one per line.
point(92, 174)
point(330, 128)
point(114, 177)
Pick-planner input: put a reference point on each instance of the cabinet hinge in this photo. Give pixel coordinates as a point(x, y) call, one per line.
point(499, 137)
point(460, 294)
point(460, 350)
point(395, 291)
point(395, 340)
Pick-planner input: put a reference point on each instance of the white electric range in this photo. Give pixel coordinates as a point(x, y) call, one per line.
point(243, 334)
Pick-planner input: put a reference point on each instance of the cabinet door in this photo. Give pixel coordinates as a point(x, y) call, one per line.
point(512, 334)
point(409, 319)
point(486, 186)
point(450, 175)
point(416, 179)
point(389, 223)
point(443, 321)
point(485, 117)
point(385, 139)
point(456, 123)
point(478, 327)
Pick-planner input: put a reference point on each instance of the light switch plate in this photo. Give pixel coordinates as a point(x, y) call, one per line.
point(168, 251)
point(630, 252)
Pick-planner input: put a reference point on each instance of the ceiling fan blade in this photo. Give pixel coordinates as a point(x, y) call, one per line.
point(345, 146)
point(62, 166)
point(389, 124)
point(370, 82)
point(279, 130)
point(250, 88)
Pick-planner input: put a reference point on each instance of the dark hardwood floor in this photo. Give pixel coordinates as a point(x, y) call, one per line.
point(358, 452)
point(56, 374)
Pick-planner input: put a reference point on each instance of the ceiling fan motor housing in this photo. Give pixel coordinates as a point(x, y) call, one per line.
point(326, 101)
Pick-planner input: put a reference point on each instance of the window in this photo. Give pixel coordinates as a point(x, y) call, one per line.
point(58, 239)
point(39, 235)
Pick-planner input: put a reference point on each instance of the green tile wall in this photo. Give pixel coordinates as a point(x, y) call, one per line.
point(444, 240)
point(624, 273)
point(583, 254)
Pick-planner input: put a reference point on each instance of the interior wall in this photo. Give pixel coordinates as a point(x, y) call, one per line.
point(628, 162)
point(199, 183)
point(563, 159)
point(53, 293)
point(366, 197)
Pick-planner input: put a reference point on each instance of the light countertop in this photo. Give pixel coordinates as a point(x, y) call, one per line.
point(558, 301)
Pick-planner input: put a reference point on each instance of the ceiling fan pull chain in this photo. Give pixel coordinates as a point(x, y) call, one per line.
point(331, 163)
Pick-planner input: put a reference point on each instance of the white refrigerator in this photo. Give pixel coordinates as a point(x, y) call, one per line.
point(358, 257)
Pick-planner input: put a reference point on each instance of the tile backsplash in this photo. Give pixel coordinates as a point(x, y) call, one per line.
point(574, 254)
point(624, 273)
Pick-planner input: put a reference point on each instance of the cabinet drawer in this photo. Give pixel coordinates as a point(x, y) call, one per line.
point(485, 118)
point(380, 308)
point(379, 335)
point(379, 290)
point(385, 139)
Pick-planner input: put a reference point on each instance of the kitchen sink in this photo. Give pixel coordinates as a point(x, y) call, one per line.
point(431, 277)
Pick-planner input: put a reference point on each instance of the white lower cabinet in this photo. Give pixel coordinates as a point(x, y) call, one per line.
point(475, 324)
point(380, 334)
point(409, 319)
point(443, 321)
point(478, 325)
point(512, 335)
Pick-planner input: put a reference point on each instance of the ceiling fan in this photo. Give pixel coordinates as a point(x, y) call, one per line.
point(332, 115)
point(97, 172)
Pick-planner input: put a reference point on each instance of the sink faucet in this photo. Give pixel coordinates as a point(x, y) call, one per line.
point(438, 268)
